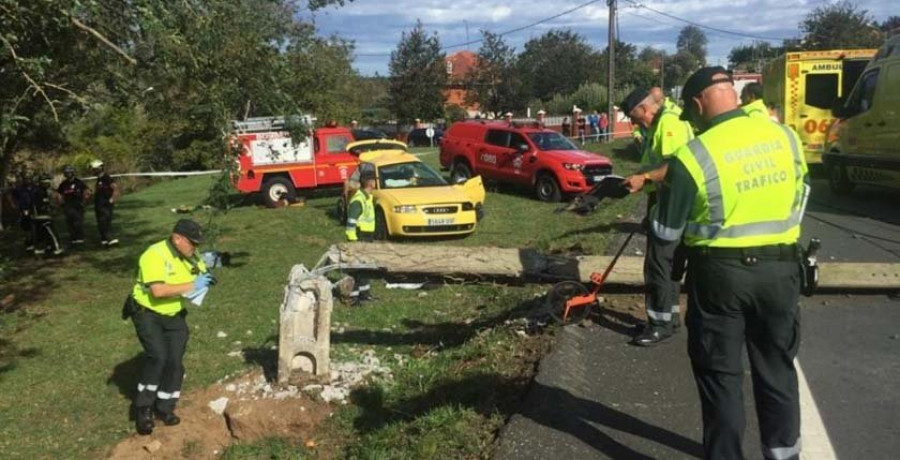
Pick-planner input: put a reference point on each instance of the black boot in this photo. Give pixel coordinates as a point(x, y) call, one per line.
point(168, 418)
point(143, 420)
point(652, 335)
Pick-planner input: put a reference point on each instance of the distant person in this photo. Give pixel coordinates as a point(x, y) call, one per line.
point(354, 124)
point(594, 124)
point(752, 100)
point(566, 127)
point(541, 123)
point(665, 102)
point(73, 193)
point(23, 200)
point(581, 126)
point(169, 274)
point(507, 117)
point(45, 238)
point(106, 192)
point(604, 127)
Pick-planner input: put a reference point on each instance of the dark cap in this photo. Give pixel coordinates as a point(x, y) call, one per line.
point(366, 176)
point(189, 229)
point(699, 81)
point(633, 99)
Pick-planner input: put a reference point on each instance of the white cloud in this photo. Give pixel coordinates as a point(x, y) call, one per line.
point(500, 13)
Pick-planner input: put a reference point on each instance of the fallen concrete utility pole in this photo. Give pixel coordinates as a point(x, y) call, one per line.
point(532, 265)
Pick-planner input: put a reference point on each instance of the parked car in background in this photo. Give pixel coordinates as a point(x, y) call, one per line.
point(419, 138)
point(369, 133)
point(863, 145)
point(521, 154)
point(411, 199)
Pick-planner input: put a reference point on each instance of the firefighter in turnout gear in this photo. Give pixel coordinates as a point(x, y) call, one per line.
point(45, 236)
point(23, 199)
point(361, 227)
point(73, 193)
point(169, 274)
point(106, 192)
point(736, 196)
point(665, 133)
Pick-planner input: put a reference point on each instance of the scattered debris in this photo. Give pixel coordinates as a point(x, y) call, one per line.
point(218, 406)
point(153, 446)
point(221, 334)
point(236, 354)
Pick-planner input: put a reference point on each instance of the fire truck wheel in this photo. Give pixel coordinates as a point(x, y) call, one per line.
point(546, 188)
point(381, 229)
point(278, 191)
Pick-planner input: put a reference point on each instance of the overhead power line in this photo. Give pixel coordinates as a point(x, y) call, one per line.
point(704, 26)
point(507, 32)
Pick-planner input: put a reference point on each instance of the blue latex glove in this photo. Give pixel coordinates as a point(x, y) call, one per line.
point(202, 281)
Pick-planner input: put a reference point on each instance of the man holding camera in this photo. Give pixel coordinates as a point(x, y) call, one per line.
point(169, 274)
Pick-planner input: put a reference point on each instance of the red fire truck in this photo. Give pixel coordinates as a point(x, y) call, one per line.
point(271, 163)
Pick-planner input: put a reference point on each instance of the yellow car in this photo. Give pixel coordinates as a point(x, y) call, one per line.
point(412, 199)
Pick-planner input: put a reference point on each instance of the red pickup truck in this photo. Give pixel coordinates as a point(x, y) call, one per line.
point(521, 154)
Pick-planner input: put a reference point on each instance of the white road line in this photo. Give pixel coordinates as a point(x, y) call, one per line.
point(429, 152)
point(816, 444)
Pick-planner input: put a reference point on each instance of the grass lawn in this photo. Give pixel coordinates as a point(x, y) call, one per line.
point(68, 362)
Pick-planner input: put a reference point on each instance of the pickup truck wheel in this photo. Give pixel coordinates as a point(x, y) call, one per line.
point(460, 172)
point(278, 189)
point(838, 179)
point(381, 229)
point(547, 189)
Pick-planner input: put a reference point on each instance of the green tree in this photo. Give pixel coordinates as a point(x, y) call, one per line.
point(680, 66)
point(891, 25)
point(557, 62)
point(493, 83)
point(752, 58)
point(692, 40)
point(840, 25)
point(418, 76)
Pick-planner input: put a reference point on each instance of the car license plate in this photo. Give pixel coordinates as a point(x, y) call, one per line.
point(440, 221)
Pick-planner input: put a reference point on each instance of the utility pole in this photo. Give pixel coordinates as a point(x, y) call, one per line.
point(611, 80)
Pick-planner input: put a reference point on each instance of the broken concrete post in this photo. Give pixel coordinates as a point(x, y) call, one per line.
point(304, 339)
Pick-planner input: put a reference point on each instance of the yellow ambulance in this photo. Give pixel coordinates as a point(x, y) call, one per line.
point(801, 87)
point(863, 146)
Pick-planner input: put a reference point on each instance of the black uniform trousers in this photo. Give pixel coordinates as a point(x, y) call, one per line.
point(663, 270)
point(362, 289)
point(734, 303)
point(104, 213)
point(164, 339)
point(74, 221)
point(45, 234)
point(26, 223)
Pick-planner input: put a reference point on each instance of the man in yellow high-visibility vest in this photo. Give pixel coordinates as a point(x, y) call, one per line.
point(361, 227)
point(665, 134)
point(736, 196)
point(169, 272)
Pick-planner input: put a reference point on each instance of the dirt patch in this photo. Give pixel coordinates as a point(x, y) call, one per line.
point(252, 409)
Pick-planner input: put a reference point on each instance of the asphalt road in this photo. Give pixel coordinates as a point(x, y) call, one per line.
point(596, 397)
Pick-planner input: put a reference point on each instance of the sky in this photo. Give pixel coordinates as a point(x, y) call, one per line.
point(375, 26)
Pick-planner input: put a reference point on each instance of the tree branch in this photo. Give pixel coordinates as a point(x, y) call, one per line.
point(103, 39)
point(34, 84)
point(67, 91)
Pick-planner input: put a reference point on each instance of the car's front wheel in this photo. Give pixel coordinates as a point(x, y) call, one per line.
point(381, 228)
point(547, 189)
